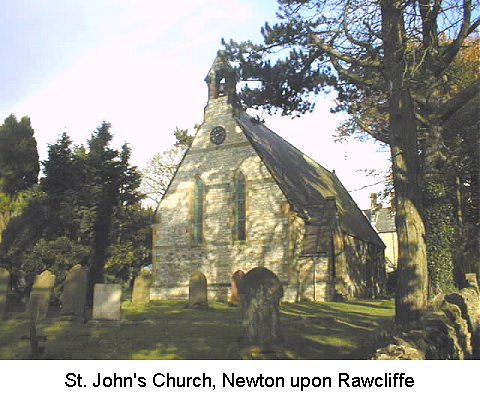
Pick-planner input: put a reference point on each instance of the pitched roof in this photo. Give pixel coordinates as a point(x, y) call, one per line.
point(307, 185)
point(384, 220)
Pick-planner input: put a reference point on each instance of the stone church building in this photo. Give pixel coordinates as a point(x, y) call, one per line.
point(243, 197)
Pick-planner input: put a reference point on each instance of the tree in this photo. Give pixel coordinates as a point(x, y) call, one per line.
point(57, 255)
point(19, 165)
point(462, 149)
point(20, 235)
point(86, 208)
point(383, 50)
point(162, 167)
point(183, 139)
point(112, 183)
point(64, 183)
point(131, 247)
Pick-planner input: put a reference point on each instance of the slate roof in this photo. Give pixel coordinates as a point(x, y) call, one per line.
point(308, 186)
point(383, 220)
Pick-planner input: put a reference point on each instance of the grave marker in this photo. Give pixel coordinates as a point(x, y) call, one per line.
point(260, 294)
point(4, 286)
point(237, 278)
point(75, 291)
point(40, 296)
point(197, 290)
point(141, 288)
point(106, 301)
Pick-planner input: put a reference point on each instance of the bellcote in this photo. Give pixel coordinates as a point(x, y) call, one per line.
point(222, 80)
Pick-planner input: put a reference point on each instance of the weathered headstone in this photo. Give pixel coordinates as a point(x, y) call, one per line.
point(75, 291)
point(236, 279)
point(106, 301)
point(197, 290)
point(141, 288)
point(471, 279)
point(40, 295)
point(4, 283)
point(260, 293)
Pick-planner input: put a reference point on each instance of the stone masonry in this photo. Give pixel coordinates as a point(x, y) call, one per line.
point(300, 238)
point(267, 242)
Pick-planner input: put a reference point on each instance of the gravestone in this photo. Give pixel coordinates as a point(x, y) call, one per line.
point(4, 283)
point(141, 288)
point(197, 290)
point(236, 279)
point(40, 295)
point(471, 279)
point(106, 301)
point(75, 291)
point(260, 293)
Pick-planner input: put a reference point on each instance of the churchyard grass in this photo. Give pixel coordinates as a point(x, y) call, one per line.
point(171, 330)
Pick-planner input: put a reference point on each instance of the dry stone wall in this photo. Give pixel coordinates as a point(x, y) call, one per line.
point(452, 331)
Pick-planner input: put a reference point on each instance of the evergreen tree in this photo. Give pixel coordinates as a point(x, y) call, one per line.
point(104, 182)
point(86, 211)
point(388, 52)
point(19, 166)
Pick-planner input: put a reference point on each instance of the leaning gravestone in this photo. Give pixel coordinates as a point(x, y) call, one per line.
point(4, 282)
point(141, 288)
point(75, 291)
point(197, 290)
point(260, 293)
point(40, 295)
point(237, 278)
point(106, 301)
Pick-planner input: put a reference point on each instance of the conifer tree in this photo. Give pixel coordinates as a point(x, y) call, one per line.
point(388, 52)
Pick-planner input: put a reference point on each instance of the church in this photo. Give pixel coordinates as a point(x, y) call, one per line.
point(243, 197)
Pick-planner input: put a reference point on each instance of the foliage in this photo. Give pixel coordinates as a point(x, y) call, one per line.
point(19, 166)
point(390, 67)
point(130, 250)
point(463, 172)
point(57, 256)
point(18, 156)
point(20, 235)
point(86, 208)
point(183, 139)
point(158, 173)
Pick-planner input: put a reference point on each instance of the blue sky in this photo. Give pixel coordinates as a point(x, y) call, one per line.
point(140, 65)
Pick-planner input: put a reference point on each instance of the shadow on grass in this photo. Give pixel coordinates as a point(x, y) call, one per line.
point(332, 331)
point(169, 330)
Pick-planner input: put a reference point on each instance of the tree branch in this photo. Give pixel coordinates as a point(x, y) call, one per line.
point(461, 99)
point(381, 137)
point(451, 51)
point(343, 57)
point(352, 77)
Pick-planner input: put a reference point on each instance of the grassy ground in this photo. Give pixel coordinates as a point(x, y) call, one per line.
point(169, 330)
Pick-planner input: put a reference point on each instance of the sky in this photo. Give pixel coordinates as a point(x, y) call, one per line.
point(140, 65)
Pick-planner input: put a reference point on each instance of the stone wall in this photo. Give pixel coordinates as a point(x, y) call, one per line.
point(274, 232)
point(359, 267)
point(450, 331)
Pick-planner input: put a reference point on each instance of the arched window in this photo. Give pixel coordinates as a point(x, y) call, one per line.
point(198, 194)
point(240, 207)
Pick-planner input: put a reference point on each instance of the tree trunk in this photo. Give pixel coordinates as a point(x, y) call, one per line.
point(100, 239)
point(411, 294)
